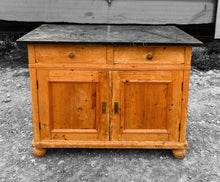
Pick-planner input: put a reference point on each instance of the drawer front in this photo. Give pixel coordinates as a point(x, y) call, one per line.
point(149, 55)
point(70, 54)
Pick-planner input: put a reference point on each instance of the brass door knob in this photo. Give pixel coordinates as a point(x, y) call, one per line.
point(71, 55)
point(150, 56)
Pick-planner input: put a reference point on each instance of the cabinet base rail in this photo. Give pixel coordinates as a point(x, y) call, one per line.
point(178, 148)
point(111, 144)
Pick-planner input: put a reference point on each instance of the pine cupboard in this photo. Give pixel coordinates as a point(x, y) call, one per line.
point(100, 86)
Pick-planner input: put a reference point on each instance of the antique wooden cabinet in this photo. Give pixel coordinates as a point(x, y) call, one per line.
point(100, 86)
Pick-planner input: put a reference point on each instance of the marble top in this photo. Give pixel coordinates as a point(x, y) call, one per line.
point(109, 35)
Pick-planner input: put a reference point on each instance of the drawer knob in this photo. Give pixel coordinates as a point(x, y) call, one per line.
point(149, 56)
point(71, 55)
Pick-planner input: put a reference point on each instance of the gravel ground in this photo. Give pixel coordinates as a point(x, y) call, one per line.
point(17, 162)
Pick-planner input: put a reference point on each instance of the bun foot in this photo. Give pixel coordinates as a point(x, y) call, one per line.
point(179, 153)
point(39, 152)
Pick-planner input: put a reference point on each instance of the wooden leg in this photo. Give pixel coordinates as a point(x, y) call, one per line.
point(39, 152)
point(179, 153)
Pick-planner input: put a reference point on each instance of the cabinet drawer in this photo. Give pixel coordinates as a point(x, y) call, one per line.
point(70, 54)
point(149, 55)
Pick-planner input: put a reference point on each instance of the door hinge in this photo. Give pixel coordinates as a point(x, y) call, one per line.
point(39, 126)
point(37, 84)
point(103, 107)
point(182, 86)
point(116, 108)
point(179, 127)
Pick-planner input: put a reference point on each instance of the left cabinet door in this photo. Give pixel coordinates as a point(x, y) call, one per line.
point(73, 105)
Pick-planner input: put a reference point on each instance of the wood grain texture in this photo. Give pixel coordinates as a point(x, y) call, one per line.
point(174, 109)
point(78, 136)
point(184, 107)
point(71, 100)
point(146, 131)
point(120, 12)
point(139, 55)
point(31, 54)
point(185, 90)
point(110, 55)
point(179, 153)
point(60, 54)
point(188, 55)
point(39, 152)
point(114, 67)
point(74, 104)
point(145, 105)
point(110, 104)
point(111, 144)
point(147, 100)
point(144, 137)
point(43, 104)
point(35, 104)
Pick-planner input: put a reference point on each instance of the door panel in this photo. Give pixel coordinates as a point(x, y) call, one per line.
point(148, 101)
point(76, 108)
point(70, 105)
point(145, 103)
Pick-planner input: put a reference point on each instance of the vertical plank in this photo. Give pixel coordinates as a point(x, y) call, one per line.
point(184, 105)
point(116, 120)
point(31, 53)
point(110, 98)
point(110, 54)
point(122, 106)
point(43, 100)
point(96, 100)
point(186, 75)
point(104, 97)
point(35, 110)
point(188, 52)
point(175, 105)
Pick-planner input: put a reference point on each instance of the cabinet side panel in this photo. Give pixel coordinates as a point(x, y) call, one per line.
point(31, 53)
point(35, 111)
point(174, 115)
point(43, 95)
point(184, 105)
point(188, 53)
point(186, 75)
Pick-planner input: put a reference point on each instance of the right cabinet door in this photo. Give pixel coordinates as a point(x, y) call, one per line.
point(146, 105)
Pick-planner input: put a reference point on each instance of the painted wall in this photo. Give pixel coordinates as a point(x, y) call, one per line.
point(217, 26)
point(120, 12)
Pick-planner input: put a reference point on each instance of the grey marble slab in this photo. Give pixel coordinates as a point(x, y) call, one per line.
point(109, 35)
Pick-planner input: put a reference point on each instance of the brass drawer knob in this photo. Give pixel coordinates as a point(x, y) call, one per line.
point(71, 55)
point(150, 56)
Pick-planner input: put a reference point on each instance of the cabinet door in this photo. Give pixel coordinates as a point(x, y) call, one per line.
point(146, 105)
point(73, 105)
